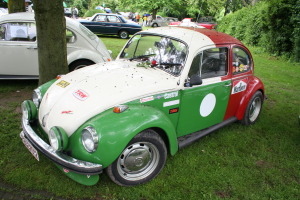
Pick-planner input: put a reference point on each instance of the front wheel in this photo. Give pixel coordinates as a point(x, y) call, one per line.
point(124, 34)
point(253, 109)
point(140, 161)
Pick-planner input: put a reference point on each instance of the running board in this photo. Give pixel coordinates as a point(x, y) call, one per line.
point(190, 138)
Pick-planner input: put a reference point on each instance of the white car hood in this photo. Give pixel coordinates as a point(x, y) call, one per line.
point(84, 93)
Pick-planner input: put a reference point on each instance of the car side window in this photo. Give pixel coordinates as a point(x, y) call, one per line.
point(113, 19)
point(70, 36)
point(241, 61)
point(100, 18)
point(210, 63)
point(18, 31)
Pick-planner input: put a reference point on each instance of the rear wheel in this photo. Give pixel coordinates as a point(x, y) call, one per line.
point(140, 161)
point(124, 34)
point(79, 64)
point(155, 25)
point(253, 109)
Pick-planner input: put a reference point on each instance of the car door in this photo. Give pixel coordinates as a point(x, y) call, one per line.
point(98, 25)
point(113, 24)
point(241, 66)
point(204, 105)
point(18, 48)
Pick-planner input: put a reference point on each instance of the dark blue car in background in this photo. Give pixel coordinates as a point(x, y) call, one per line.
point(111, 24)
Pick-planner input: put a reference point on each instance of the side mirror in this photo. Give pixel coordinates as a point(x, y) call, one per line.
point(194, 80)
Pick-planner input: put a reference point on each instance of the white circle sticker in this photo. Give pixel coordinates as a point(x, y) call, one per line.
point(207, 105)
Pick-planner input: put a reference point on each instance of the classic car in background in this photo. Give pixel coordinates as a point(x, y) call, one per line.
point(111, 24)
point(191, 22)
point(159, 21)
point(168, 87)
point(18, 39)
point(207, 22)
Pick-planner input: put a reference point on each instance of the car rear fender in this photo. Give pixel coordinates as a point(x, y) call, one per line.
point(84, 55)
point(254, 85)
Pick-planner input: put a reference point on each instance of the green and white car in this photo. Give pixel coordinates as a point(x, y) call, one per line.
point(167, 88)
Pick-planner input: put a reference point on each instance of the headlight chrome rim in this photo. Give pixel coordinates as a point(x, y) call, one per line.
point(29, 110)
point(58, 138)
point(37, 97)
point(90, 139)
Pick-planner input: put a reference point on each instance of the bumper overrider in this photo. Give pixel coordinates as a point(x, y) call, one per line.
point(63, 160)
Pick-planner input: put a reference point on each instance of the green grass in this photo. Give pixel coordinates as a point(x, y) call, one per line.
point(237, 162)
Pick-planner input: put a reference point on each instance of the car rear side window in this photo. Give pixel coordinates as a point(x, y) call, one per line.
point(70, 36)
point(210, 63)
point(241, 61)
point(18, 31)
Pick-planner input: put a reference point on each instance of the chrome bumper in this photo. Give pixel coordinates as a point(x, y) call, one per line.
point(72, 164)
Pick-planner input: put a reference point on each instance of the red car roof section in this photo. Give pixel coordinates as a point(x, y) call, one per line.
point(215, 36)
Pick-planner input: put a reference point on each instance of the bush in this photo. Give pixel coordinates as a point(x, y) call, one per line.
point(273, 25)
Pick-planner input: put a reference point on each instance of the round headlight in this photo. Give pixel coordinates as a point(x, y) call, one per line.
point(90, 139)
point(58, 138)
point(29, 110)
point(37, 97)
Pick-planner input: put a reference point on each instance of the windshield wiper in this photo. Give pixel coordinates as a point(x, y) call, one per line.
point(142, 56)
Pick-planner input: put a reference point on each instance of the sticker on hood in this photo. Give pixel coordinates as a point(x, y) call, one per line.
point(63, 83)
point(80, 94)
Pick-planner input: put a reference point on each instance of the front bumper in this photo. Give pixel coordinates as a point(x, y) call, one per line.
point(65, 161)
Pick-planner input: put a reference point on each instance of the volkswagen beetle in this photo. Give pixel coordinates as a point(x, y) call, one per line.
point(167, 88)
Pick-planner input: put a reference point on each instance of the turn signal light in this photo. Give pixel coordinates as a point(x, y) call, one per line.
point(120, 108)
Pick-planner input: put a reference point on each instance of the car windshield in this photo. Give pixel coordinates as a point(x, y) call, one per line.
point(157, 51)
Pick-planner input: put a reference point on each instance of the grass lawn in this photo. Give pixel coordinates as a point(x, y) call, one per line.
point(237, 162)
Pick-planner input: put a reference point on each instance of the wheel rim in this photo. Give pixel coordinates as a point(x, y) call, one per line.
point(124, 35)
point(138, 161)
point(254, 109)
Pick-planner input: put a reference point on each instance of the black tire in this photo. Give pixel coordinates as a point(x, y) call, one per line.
point(140, 161)
point(123, 34)
point(79, 64)
point(253, 109)
point(155, 25)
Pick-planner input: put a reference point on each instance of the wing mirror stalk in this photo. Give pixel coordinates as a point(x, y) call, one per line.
point(194, 80)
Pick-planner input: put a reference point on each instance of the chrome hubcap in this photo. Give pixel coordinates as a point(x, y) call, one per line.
point(255, 109)
point(138, 161)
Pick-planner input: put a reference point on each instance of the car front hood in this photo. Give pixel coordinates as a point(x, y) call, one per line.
point(84, 93)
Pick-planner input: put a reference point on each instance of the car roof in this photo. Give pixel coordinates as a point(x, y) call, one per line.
point(192, 35)
point(27, 16)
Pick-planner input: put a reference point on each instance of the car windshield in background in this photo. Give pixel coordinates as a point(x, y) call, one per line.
point(160, 52)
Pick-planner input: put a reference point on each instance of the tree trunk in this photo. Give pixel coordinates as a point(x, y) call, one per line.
point(16, 6)
point(51, 37)
point(154, 12)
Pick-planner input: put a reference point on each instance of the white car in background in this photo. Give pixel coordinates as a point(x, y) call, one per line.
point(18, 46)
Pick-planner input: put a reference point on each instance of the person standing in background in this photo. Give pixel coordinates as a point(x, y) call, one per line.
point(75, 12)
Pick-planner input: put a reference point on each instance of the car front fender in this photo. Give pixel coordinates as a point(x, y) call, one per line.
point(116, 130)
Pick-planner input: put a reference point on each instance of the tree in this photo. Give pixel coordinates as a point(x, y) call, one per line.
point(51, 37)
point(16, 6)
point(151, 6)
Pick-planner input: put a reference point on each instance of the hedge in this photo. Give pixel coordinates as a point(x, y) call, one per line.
point(272, 25)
